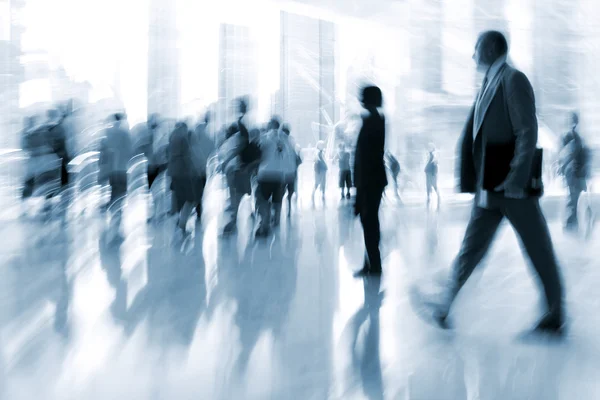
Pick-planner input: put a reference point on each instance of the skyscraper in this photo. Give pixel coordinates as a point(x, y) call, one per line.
point(163, 60)
point(426, 40)
point(238, 68)
point(307, 88)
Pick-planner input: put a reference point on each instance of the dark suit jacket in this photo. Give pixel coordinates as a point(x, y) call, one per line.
point(369, 165)
point(180, 164)
point(503, 150)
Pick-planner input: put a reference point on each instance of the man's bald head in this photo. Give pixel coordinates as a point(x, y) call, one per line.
point(491, 45)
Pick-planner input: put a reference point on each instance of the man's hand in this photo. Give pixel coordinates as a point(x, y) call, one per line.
point(511, 193)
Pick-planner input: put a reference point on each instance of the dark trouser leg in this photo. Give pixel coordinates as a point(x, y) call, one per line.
point(236, 193)
point(479, 235)
point(369, 218)
point(291, 188)
point(278, 192)
point(264, 192)
point(574, 193)
point(530, 225)
point(348, 184)
point(174, 204)
point(152, 172)
point(64, 172)
point(118, 186)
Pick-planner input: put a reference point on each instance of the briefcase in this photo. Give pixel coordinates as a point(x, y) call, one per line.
point(497, 168)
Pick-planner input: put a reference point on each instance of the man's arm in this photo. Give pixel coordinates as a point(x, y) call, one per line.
point(521, 109)
point(361, 153)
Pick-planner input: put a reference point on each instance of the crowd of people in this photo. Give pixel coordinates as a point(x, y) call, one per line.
point(263, 162)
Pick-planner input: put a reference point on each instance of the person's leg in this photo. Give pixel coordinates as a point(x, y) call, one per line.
point(175, 204)
point(572, 222)
point(235, 197)
point(64, 172)
point(118, 186)
point(530, 225)
point(278, 190)
point(152, 172)
point(230, 180)
point(348, 183)
point(291, 189)
point(481, 230)
point(369, 217)
point(263, 194)
point(428, 184)
point(158, 194)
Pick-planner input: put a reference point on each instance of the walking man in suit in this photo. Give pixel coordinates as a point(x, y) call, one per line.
point(496, 160)
point(369, 177)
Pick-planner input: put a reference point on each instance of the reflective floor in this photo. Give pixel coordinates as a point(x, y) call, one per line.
point(235, 318)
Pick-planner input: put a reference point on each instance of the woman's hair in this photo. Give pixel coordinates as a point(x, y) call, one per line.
point(371, 96)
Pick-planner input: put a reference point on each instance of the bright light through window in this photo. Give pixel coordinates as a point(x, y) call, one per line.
point(458, 41)
point(520, 18)
point(34, 91)
point(102, 42)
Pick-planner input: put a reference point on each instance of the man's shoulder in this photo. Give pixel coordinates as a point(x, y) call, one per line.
point(512, 74)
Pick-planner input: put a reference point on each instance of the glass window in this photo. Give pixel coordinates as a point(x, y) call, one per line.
point(458, 41)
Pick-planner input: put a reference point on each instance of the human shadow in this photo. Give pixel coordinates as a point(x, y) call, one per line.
point(345, 223)
point(174, 297)
point(110, 260)
point(431, 237)
point(264, 287)
point(35, 304)
point(63, 301)
point(365, 356)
